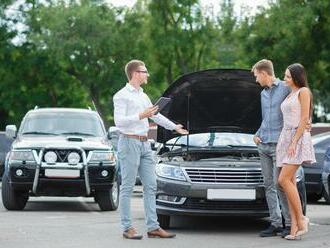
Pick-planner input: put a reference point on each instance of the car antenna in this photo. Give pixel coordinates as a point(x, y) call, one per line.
point(94, 106)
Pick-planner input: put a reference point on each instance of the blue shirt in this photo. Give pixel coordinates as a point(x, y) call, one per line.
point(272, 118)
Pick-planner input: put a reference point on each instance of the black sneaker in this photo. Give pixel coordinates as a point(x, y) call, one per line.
point(271, 231)
point(286, 231)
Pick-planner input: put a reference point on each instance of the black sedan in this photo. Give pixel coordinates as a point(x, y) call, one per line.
point(313, 172)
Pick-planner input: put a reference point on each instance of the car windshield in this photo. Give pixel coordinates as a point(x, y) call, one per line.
point(214, 140)
point(62, 123)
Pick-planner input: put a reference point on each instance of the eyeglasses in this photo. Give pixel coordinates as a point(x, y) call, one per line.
point(143, 72)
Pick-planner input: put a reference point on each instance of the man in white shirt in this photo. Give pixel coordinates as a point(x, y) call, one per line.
point(132, 108)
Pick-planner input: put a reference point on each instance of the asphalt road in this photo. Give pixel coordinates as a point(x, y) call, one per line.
point(77, 222)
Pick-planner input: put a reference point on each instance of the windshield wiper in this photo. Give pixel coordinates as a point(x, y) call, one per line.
point(77, 133)
point(39, 133)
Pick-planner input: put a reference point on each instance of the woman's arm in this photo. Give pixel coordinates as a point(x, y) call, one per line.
point(304, 99)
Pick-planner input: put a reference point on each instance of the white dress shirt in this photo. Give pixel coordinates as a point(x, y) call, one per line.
point(128, 103)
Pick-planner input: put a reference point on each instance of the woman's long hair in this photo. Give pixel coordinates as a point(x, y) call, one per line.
point(299, 78)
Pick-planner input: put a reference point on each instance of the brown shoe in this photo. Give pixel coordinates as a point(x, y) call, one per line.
point(160, 233)
point(131, 233)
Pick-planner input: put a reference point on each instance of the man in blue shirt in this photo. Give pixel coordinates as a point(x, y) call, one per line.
point(273, 94)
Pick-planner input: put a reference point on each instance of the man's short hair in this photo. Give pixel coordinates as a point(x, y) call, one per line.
point(132, 66)
point(264, 65)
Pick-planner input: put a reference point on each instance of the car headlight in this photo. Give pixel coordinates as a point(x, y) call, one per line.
point(22, 155)
point(170, 171)
point(50, 157)
point(73, 158)
point(107, 156)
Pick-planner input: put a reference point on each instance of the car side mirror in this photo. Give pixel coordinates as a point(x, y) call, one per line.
point(113, 132)
point(11, 131)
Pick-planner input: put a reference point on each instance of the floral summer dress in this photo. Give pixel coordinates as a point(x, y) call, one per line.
point(291, 110)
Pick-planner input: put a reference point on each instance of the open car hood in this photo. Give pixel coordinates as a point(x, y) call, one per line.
point(216, 100)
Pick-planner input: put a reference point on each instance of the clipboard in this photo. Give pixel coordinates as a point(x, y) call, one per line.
point(162, 103)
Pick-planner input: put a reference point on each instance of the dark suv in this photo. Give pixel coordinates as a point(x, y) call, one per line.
point(60, 152)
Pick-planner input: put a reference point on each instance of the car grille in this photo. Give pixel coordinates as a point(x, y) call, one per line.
point(225, 176)
point(202, 204)
point(62, 154)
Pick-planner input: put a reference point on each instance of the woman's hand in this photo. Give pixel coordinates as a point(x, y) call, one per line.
point(292, 149)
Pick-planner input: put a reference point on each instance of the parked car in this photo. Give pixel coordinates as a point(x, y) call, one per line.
point(60, 152)
point(313, 172)
point(215, 170)
point(326, 176)
point(5, 144)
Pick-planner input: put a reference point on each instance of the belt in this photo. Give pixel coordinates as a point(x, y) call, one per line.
point(138, 137)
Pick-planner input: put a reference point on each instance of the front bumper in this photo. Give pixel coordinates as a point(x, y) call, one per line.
point(61, 179)
point(191, 199)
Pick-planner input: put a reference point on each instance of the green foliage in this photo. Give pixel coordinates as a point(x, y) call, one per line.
point(74, 52)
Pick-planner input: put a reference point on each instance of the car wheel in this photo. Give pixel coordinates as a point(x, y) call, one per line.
point(326, 197)
point(108, 200)
point(2, 166)
point(12, 199)
point(164, 220)
point(314, 197)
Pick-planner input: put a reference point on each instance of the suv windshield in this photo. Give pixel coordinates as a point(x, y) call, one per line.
point(215, 140)
point(62, 123)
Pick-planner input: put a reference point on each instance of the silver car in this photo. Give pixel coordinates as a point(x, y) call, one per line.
point(215, 170)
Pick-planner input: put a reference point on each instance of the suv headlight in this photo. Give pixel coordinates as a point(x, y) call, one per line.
point(22, 155)
point(107, 156)
point(170, 171)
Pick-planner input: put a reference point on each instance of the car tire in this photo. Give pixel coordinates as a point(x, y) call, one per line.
point(12, 199)
point(164, 221)
point(326, 197)
point(2, 166)
point(108, 200)
point(314, 197)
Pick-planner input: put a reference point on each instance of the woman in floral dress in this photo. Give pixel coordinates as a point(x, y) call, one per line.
point(295, 144)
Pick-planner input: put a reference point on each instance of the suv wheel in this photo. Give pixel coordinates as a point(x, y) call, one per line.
point(108, 200)
point(12, 200)
point(164, 220)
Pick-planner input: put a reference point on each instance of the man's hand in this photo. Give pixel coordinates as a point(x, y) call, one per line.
point(257, 140)
point(149, 112)
point(180, 130)
point(309, 126)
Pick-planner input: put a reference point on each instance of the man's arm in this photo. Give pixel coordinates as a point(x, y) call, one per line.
point(161, 120)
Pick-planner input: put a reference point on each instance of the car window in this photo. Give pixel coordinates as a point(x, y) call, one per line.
point(63, 123)
point(215, 140)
